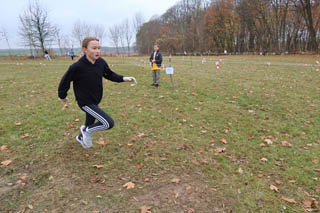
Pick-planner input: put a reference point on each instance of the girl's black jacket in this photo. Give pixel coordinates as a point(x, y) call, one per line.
point(87, 80)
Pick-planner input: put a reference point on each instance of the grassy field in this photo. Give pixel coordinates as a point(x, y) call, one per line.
point(244, 138)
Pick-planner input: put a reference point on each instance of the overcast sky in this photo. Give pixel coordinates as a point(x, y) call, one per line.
point(65, 13)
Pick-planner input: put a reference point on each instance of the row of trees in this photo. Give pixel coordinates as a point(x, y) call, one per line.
point(235, 26)
point(38, 33)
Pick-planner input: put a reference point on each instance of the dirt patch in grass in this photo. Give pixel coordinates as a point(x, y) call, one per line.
point(183, 194)
point(4, 189)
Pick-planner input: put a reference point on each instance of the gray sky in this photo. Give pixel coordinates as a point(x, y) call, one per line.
point(65, 13)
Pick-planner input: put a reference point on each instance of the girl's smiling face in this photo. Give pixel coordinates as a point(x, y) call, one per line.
point(92, 51)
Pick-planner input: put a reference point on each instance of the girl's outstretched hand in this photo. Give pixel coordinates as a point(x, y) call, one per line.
point(130, 79)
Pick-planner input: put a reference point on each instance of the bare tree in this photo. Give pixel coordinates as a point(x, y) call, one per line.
point(4, 35)
point(114, 36)
point(99, 32)
point(127, 33)
point(80, 31)
point(36, 29)
point(137, 22)
point(26, 35)
point(122, 37)
point(59, 40)
point(306, 6)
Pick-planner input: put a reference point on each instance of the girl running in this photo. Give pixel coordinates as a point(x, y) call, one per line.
point(86, 75)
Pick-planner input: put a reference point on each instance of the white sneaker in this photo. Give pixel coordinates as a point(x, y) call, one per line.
point(87, 138)
point(80, 140)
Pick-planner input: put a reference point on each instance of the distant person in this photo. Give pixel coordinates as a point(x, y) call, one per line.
point(264, 53)
point(156, 61)
point(71, 54)
point(86, 75)
point(46, 55)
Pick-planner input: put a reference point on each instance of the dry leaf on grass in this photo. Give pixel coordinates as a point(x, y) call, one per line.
point(223, 140)
point(140, 135)
point(240, 170)
point(175, 180)
point(129, 185)
point(316, 170)
point(274, 188)
point(4, 148)
point(307, 204)
point(6, 162)
point(286, 143)
point(268, 141)
point(289, 200)
point(134, 138)
point(101, 142)
point(315, 161)
point(98, 166)
point(145, 209)
point(264, 160)
point(25, 136)
point(17, 123)
point(220, 150)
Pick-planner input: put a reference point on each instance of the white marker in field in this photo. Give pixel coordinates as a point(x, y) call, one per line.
point(218, 65)
point(203, 61)
point(169, 71)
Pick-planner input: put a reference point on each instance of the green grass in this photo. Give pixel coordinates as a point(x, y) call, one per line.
point(244, 102)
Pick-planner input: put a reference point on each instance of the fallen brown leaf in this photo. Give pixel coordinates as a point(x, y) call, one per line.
point(175, 180)
point(274, 188)
point(17, 123)
point(268, 141)
point(129, 185)
point(264, 160)
point(307, 204)
point(240, 170)
point(101, 142)
point(220, 150)
point(286, 143)
point(23, 177)
point(25, 136)
point(316, 170)
point(315, 161)
point(289, 200)
point(98, 166)
point(134, 138)
point(6, 162)
point(279, 182)
point(223, 140)
point(145, 209)
point(140, 135)
point(139, 166)
point(4, 148)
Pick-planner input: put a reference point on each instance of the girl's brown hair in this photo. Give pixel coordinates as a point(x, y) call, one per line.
point(86, 41)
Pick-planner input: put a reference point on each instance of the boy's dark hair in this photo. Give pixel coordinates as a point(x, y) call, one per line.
point(86, 41)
